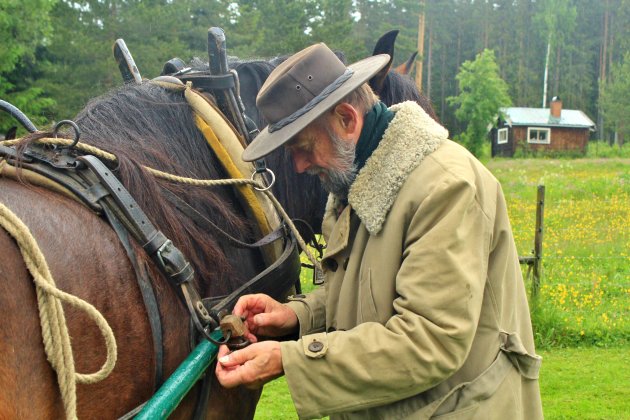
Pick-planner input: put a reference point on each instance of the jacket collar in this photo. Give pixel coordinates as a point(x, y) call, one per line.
point(410, 137)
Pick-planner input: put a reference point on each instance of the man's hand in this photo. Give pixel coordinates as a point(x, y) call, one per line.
point(252, 366)
point(265, 316)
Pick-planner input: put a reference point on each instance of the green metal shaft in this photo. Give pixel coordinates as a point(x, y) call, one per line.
point(173, 391)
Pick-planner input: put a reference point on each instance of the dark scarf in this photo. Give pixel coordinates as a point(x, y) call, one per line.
point(374, 124)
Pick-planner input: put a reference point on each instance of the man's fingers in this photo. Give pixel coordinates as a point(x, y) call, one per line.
point(235, 358)
point(271, 319)
point(240, 309)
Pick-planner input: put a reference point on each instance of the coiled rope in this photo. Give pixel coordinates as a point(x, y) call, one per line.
point(53, 322)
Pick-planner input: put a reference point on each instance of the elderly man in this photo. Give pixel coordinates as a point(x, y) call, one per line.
point(423, 312)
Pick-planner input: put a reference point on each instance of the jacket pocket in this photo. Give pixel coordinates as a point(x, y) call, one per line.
point(367, 307)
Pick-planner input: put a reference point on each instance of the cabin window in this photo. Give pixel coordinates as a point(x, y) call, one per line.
point(502, 136)
point(539, 135)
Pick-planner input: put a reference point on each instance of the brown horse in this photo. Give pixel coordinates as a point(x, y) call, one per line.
point(142, 125)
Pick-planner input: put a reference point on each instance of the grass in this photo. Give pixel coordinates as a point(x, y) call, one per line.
point(586, 383)
point(585, 289)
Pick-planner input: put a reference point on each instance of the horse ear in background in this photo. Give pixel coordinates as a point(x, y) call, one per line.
point(11, 133)
point(393, 85)
point(384, 45)
point(407, 66)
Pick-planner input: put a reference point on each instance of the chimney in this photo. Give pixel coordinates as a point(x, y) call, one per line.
point(556, 107)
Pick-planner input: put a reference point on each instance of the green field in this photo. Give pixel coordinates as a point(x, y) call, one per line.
point(582, 314)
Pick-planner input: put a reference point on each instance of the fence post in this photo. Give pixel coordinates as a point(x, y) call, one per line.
point(538, 239)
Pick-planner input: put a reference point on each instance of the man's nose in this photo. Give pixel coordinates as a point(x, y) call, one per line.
point(300, 162)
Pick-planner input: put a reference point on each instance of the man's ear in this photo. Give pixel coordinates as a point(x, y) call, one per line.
point(348, 120)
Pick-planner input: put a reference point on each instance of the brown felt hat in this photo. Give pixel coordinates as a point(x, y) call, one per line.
point(301, 89)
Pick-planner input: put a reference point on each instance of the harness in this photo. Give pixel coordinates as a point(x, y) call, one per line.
point(90, 181)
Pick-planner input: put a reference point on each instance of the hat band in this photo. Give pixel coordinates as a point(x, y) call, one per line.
point(313, 102)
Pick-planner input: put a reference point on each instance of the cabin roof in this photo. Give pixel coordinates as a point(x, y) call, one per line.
point(541, 117)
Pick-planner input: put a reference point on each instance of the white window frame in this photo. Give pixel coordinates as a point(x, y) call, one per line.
point(502, 131)
point(537, 140)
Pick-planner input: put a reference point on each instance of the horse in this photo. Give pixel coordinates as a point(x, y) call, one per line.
point(144, 125)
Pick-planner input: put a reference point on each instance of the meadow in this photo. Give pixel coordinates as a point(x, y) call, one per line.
point(581, 314)
point(585, 288)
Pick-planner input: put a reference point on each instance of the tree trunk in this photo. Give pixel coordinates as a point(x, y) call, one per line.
point(556, 77)
point(603, 54)
point(420, 57)
point(443, 85)
point(544, 99)
point(429, 62)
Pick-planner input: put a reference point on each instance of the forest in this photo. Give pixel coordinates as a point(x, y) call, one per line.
point(57, 54)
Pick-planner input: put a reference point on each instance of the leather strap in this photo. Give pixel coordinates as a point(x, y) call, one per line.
point(208, 82)
point(286, 269)
point(148, 295)
point(201, 220)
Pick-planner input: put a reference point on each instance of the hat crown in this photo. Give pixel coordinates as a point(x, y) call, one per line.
point(296, 81)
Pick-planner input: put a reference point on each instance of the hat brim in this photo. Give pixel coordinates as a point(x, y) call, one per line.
point(266, 142)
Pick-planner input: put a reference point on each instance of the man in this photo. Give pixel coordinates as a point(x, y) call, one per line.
point(424, 311)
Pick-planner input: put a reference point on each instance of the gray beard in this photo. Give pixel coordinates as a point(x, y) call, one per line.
point(337, 181)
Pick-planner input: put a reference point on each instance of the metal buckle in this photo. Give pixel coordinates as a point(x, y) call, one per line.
point(161, 249)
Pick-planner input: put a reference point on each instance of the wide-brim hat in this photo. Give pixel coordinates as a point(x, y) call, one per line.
point(301, 89)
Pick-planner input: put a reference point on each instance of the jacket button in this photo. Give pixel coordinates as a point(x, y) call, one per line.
point(331, 265)
point(315, 346)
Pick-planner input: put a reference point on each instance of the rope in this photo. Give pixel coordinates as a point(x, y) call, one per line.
point(54, 328)
point(242, 181)
point(189, 181)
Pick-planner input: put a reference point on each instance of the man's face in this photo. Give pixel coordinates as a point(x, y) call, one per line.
point(321, 151)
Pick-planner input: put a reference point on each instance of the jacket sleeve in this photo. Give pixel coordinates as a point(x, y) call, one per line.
point(439, 289)
point(310, 310)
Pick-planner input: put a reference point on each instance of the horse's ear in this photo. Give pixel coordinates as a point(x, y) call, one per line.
point(11, 133)
point(384, 45)
point(406, 67)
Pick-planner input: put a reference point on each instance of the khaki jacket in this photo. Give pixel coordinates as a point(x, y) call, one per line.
point(424, 312)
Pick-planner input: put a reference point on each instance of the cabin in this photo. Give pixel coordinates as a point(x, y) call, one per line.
point(541, 129)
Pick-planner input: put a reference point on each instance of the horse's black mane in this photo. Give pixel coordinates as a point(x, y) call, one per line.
point(399, 87)
point(152, 126)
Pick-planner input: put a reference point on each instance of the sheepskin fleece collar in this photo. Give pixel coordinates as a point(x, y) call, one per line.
point(410, 137)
